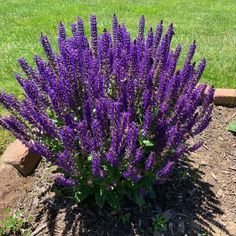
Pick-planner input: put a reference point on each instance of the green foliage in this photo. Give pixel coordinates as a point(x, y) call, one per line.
point(204, 234)
point(125, 218)
point(232, 126)
point(12, 224)
point(148, 143)
point(115, 194)
point(82, 193)
point(159, 223)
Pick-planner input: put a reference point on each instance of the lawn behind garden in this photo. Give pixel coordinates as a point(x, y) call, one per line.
point(210, 22)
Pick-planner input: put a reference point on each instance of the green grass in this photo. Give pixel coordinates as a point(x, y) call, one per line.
point(210, 22)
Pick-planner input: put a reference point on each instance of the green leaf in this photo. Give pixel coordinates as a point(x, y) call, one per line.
point(7, 210)
point(125, 218)
point(232, 126)
point(136, 197)
point(100, 198)
point(113, 199)
point(148, 143)
point(90, 157)
point(82, 193)
point(159, 223)
point(152, 194)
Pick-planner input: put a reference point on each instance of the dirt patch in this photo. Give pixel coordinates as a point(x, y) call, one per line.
point(12, 186)
point(218, 158)
point(200, 199)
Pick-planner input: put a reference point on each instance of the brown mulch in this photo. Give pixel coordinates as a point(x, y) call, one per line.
point(200, 200)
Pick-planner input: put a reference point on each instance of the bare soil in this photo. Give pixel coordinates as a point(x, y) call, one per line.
point(200, 198)
point(12, 186)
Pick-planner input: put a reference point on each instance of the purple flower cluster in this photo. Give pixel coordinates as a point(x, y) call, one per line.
point(60, 179)
point(110, 104)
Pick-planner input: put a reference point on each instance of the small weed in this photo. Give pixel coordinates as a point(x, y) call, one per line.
point(125, 218)
point(13, 223)
point(159, 223)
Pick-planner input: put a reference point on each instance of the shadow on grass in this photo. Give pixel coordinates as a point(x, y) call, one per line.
point(192, 200)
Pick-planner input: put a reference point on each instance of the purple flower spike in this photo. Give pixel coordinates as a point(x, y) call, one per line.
point(94, 34)
point(80, 26)
point(149, 165)
point(138, 156)
point(148, 120)
point(114, 27)
point(199, 71)
point(25, 67)
point(9, 102)
point(42, 150)
point(191, 52)
point(131, 139)
point(60, 179)
point(133, 174)
point(61, 31)
point(111, 157)
point(74, 29)
point(141, 28)
point(165, 170)
point(97, 133)
point(65, 161)
point(115, 113)
point(47, 47)
point(157, 37)
point(68, 137)
point(196, 146)
point(96, 165)
point(174, 136)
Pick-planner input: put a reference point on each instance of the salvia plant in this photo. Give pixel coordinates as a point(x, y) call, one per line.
point(114, 114)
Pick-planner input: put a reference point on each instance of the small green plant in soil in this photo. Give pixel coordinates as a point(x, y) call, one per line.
point(159, 223)
point(14, 223)
point(125, 218)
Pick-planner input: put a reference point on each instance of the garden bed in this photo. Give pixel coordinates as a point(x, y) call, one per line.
point(199, 200)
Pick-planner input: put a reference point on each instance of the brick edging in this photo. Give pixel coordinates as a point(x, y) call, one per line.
point(225, 97)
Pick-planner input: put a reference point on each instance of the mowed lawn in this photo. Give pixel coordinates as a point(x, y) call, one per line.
point(210, 22)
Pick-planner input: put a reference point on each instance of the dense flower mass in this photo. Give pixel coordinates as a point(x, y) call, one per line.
point(113, 113)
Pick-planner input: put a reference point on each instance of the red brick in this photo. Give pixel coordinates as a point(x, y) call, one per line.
point(225, 97)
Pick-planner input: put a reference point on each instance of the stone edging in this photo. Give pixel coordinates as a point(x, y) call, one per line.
point(225, 97)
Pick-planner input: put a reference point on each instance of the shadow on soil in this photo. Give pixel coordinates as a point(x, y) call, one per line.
point(191, 200)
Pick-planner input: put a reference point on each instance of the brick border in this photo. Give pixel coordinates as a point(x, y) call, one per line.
point(225, 97)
